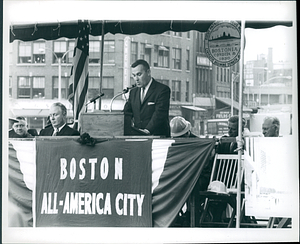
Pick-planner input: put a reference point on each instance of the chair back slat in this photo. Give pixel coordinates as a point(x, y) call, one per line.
point(227, 175)
point(225, 170)
point(229, 179)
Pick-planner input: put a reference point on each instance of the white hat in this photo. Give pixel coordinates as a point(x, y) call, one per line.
point(179, 126)
point(217, 187)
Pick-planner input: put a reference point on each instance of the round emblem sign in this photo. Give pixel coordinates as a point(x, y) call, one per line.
point(223, 43)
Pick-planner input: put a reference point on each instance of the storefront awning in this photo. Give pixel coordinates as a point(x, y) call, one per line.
point(227, 101)
point(54, 30)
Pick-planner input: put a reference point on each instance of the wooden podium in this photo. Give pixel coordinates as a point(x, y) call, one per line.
point(102, 123)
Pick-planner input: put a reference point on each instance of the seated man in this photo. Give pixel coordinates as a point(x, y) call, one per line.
point(19, 129)
point(233, 129)
point(227, 145)
point(270, 127)
point(58, 118)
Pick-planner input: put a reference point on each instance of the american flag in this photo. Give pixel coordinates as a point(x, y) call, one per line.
point(79, 76)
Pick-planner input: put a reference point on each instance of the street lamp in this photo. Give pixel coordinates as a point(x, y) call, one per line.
point(59, 68)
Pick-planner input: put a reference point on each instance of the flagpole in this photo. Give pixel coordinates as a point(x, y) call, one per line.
point(239, 141)
point(101, 62)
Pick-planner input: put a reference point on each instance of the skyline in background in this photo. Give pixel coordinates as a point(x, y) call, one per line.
point(279, 38)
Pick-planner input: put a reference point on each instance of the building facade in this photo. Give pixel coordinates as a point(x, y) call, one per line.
point(38, 69)
point(268, 83)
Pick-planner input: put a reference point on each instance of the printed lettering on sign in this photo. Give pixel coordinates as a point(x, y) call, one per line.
point(222, 43)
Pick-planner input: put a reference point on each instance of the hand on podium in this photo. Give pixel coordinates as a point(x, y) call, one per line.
point(147, 132)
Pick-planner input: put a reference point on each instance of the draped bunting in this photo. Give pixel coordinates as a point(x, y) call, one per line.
point(176, 167)
point(20, 196)
point(184, 163)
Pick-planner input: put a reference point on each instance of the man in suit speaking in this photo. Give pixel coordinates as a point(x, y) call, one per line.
point(58, 118)
point(149, 103)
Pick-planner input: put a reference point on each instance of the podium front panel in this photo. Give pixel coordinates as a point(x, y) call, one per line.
point(101, 123)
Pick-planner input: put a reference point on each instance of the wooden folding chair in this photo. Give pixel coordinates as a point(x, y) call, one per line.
point(225, 167)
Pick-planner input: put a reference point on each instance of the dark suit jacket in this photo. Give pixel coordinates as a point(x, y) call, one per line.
point(65, 131)
point(153, 114)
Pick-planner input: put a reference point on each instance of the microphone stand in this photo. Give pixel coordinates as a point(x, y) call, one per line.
point(94, 99)
point(119, 94)
point(110, 105)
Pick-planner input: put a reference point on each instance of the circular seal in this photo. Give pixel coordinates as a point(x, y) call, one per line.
point(223, 43)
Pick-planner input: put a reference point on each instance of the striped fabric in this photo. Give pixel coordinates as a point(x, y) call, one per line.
point(79, 73)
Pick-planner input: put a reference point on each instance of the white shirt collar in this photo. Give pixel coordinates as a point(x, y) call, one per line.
point(147, 86)
point(59, 128)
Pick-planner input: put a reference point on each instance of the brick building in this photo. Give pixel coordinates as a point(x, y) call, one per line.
point(198, 88)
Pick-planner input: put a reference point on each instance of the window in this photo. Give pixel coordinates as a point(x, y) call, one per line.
point(64, 87)
point(176, 57)
point(107, 87)
point(146, 52)
point(38, 87)
point(221, 75)
point(31, 87)
point(94, 52)
point(71, 46)
point(109, 52)
point(10, 87)
point(217, 73)
point(59, 48)
point(187, 91)
point(64, 50)
point(38, 52)
point(178, 34)
point(24, 52)
point(134, 51)
point(203, 77)
point(161, 56)
point(166, 82)
point(24, 87)
point(188, 34)
point(200, 42)
point(187, 59)
point(228, 75)
point(176, 90)
point(94, 87)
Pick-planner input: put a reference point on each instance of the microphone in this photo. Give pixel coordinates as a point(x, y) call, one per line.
point(94, 99)
point(129, 88)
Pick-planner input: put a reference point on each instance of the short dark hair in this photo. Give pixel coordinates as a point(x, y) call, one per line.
point(235, 119)
point(142, 62)
point(62, 107)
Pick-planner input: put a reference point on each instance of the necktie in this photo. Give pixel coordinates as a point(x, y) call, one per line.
point(55, 132)
point(142, 94)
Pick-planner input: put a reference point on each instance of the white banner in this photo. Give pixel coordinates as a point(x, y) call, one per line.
point(271, 177)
